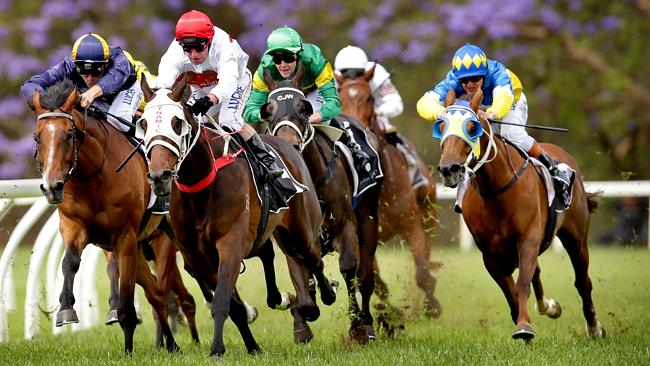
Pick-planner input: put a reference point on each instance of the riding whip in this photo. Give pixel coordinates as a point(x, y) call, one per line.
point(558, 129)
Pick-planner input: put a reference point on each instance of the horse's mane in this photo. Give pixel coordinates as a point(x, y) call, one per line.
point(56, 95)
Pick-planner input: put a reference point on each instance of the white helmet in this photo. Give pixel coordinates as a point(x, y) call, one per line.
point(350, 57)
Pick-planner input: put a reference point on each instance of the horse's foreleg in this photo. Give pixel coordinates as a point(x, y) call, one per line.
point(239, 316)
point(527, 266)
point(229, 261)
point(544, 306)
point(348, 247)
point(156, 297)
point(579, 254)
point(70, 266)
point(274, 299)
point(126, 251)
point(505, 283)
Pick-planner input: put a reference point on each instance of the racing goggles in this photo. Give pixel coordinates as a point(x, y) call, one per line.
point(90, 68)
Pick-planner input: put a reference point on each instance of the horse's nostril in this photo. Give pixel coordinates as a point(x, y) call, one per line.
point(455, 169)
point(58, 186)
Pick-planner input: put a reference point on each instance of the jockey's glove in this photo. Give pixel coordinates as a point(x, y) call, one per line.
point(199, 106)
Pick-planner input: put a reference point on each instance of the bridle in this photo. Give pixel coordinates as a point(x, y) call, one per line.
point(307, 134)
point(78, 137)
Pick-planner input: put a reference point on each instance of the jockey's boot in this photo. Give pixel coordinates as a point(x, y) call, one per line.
point(361, 159)
point(394, 138)
point(263, 155)
point(561, 182)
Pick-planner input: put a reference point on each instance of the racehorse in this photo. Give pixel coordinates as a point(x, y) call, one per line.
point(216, 215)
point(403, 210)
point(77, 155)
point(506, 209)
point(159, 248)
point(351, 231)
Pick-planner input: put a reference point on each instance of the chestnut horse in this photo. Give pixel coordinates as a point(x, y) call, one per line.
point(77, 155)
point(506, 209)
point(403, 211)
point(217, 215)
point(351, 231)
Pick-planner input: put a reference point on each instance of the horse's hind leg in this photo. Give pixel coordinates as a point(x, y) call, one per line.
point(187, 305)
point(156, 298)
point(420, 247)
point(112, 270)
point(544, 306)
point(576, 247)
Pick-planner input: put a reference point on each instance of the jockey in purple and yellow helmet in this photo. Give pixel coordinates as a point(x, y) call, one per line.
point(503, 99)
point(106, 77)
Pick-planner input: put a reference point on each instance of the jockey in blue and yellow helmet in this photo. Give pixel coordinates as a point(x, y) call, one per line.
point(503, 100)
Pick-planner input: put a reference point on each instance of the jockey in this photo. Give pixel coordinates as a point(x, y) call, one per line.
point(505, 101)
point(215, 67)
point(285, 50)
point(106, 76)
point(351, 62)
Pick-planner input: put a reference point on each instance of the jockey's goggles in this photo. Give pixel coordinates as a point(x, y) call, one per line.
point(473, 79)
point(197, 44)
point(90, 68)
point(284, 56)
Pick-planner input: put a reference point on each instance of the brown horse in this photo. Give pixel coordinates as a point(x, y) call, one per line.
point(163, 253)
point(351, 231)
point(506, 210)
point(218, 221)
point(78, 156)
point(402, 210)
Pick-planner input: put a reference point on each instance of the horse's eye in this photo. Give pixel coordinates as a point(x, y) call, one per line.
point(439, 128)
point(37, 139)
point(143, 124)
point(69, 136)
point(472, 129)
point(177, 125)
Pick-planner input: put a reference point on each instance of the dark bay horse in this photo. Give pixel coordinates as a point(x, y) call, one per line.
point(217, 221)
point(351, 231)
point(77, 156)
point(506, 209)
point(404, 211)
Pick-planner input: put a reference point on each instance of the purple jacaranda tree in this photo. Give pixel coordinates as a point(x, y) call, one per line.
point(588, 47)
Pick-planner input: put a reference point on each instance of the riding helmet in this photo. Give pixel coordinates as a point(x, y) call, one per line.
point(350, 57)
point(90, 48)
point(194, 24)
point(284, 39)
point(468, 61)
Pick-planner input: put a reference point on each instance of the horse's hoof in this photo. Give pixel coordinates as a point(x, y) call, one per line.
point(303, 335)
point(596, 332)
point(309, 313)
point(67, 316)
point(254, 351)
point(558, 311)
point(524, 332)
point(432, 309)
point(553, 309)
point(111, 318)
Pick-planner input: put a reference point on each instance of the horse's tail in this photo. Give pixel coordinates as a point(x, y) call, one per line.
point(593, 200)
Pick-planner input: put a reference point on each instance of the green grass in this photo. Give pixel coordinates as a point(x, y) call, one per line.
point(474, 328)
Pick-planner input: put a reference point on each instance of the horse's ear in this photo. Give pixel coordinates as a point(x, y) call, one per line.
point(35, 103)
point(266, 111)
point(300, 74)
point(179, 89)
point(268, 79)
point(450, 98)
point(476, 100)
point(71, 102)
point(305, 108)
point(146, 90)
point(368, 74)
point(339, 79)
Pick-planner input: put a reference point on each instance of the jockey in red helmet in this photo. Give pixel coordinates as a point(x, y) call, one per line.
point(215, 65)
